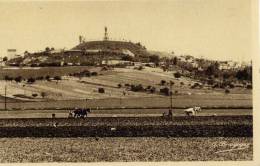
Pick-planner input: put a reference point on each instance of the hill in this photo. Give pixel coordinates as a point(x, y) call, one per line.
point(86, 53)
point(135, 48)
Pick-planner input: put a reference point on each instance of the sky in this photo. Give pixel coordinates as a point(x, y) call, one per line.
point(213, 29)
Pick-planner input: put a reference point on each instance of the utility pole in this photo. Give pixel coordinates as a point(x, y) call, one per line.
point(5, 97)
point(170, 110)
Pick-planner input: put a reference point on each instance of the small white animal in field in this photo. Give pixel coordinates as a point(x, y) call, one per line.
point(113, 129)
point(192, 111)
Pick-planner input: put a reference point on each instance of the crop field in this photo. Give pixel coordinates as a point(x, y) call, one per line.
point(91, 149)
point(97, 139)
point(207, 126)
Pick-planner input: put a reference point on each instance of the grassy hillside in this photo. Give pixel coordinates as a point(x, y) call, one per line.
point(136, 49)
point(73, 91)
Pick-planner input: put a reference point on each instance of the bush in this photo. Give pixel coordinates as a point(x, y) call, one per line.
point(47, 78)
point(177, 75)
point(249, 86)
point(231, 85)
point(18, 79)
point(181, 83)
point(101, 90)
point(57, 78)
point(43, 94)
point(137, 88)
point(5, 59)
point(148, 87)
point(163, 82)
point(165, 91)
point(119, 85)
point(127, 58)
point(215, 86)
point(84, 73)
point(31, 80)
point(7, 78)
point(34, 94)
point(195, 85)
point(127, 85)
point(94, 73)
point(34, 65)
point(227, 91)
point(153, 89)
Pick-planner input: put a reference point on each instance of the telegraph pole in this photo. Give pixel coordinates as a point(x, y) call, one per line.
point(170, 110)
point(171, 93)
point(5, 97)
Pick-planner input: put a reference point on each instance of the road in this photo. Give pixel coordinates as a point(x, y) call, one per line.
point(119, 113)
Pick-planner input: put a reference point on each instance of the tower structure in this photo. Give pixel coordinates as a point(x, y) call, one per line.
point(80, 39)
point(106, 34)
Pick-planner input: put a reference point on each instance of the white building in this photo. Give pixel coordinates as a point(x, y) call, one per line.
point(115, 62)
point(11, 53)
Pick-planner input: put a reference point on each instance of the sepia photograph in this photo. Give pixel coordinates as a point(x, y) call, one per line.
point(127, 81)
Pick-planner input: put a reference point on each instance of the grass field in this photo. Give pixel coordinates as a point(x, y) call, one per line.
point(209, 100)
point(125, 149)
point(34, 72)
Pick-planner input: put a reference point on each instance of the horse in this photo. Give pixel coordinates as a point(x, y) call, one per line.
point(81, 113)
point(192, 111)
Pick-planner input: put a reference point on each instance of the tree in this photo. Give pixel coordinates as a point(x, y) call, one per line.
point(5, 59)
point(245, 74)
point(165, 91)
point(212, 69)
point(155, 59)
point(152, 89)
point(57, 78)
point(163, 82)
point(18, 79)
point(227, 91)
point(127, 58)
point(47, 49)
point(226, 75)
point(101, 90)
point(175, 61)
point(177, 75)
point(43, 94)
point(94, 73)
point(26, 52)
point(47, 78)
point(31, 80)
point(34, 94)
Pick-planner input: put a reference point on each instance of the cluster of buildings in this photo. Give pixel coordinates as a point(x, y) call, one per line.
point(202, 63)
